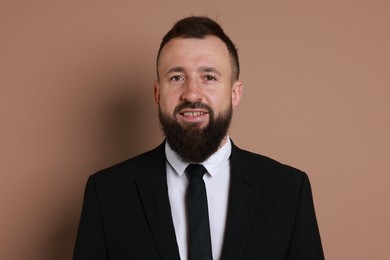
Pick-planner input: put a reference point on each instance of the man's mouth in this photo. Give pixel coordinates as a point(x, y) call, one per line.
point(193, 116)
point(196, 113)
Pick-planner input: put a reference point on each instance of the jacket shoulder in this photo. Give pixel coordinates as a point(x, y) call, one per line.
point(266, 166)
point(132, 167)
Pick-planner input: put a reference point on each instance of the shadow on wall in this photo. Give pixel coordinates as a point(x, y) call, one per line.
point(133, 124)
point(125, 119)
point(120, 122)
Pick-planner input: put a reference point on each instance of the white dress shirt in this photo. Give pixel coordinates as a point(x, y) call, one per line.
point(217, 180)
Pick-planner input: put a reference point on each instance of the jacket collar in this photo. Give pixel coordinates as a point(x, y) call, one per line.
point(154, 195)
point(242, 200)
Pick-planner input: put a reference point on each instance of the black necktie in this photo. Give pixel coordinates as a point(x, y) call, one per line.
point(198, 216)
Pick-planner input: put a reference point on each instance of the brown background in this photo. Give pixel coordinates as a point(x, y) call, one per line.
point(76, 96)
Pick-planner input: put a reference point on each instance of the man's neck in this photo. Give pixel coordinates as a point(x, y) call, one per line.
point(223, 142)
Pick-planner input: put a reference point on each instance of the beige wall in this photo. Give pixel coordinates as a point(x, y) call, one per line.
point(76, 96)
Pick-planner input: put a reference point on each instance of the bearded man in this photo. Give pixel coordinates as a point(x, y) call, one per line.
point(197, 196)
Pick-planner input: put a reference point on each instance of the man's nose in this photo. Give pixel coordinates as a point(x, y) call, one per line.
point(191, 91)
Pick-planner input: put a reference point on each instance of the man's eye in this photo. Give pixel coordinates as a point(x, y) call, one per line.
point(208, 77)
point(176, 78)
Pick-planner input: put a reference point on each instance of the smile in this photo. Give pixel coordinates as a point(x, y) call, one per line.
point(197, 113)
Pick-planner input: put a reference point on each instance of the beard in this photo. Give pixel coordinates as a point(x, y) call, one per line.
point(190, 141)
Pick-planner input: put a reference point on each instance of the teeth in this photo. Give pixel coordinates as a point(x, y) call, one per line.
point(193, 113)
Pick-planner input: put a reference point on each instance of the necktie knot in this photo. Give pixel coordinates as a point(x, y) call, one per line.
point(196, 170)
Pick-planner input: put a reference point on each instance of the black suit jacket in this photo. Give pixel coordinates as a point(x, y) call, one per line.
point(126, 212)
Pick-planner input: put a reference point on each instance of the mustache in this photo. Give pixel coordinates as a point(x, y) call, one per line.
point(192, 105)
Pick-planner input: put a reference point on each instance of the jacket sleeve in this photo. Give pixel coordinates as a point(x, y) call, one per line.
point(305, 242)
point(90, 242)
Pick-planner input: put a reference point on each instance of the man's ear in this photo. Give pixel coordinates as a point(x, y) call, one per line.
point(156, 88)
point(237, 90)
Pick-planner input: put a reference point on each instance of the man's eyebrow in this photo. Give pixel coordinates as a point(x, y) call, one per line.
point(200, 69)
point(174, 69)
point(209, 69)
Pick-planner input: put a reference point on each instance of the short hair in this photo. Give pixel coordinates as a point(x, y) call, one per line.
point(199, 27)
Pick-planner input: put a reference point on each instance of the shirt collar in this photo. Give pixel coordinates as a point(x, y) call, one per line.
point(212, 164)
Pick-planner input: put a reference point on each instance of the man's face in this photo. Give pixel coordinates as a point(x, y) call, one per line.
point(195, 88)
point(195, 70)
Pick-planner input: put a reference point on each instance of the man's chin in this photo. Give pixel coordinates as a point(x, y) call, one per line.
point(187, 125)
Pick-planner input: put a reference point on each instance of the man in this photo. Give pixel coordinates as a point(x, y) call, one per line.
point(239, 205)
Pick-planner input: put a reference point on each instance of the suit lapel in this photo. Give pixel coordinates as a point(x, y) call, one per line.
point(242, 201)
point(154, 196)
